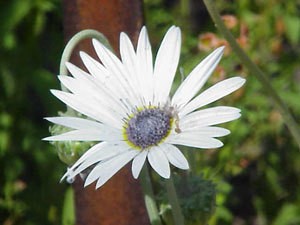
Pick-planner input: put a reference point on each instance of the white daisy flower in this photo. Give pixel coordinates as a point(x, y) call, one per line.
point(130, 112)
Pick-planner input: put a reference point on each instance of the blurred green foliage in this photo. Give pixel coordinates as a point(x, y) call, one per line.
point(30, 46)
point(256, 173)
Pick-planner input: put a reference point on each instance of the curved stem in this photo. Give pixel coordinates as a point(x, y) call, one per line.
point(255, 70)
point(173, 200)
point(89, 33)
point(149, 197)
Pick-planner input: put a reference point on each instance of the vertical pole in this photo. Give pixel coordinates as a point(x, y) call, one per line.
point(120, 200)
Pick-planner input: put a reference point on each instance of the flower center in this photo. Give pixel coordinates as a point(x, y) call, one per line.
point(148, 127)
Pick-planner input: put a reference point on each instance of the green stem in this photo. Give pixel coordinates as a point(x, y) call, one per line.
point(184, 8)
point(255, 70)
point(173, 200)
point(72, 44)
point(149, 197)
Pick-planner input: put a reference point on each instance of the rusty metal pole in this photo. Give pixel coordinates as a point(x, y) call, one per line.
point(120, 200)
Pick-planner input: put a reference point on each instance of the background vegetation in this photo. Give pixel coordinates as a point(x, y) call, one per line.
point(256, 175)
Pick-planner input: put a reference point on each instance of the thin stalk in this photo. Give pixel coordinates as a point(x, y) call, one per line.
point(68, 50)
point(84, 34)
point(184, 8)
point(149, 197)
point(256, 71)
point(173, 200)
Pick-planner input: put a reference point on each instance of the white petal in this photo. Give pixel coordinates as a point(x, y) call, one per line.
point(96, 87)
point(85, 79)
point(87, 107)
point(105, 153)
point(129, 58)
point(175, 156)
point(194, 140)
point(97, 157)
point(145, 65)
point(93, 97)
point(214, 93)
point(75, 122)
point(71, 84)
point(105, 170)
point(105, 83)
point(197, 78)
point(77, 72)
point(209, 116)
point(207, 131)
point(84, 87)
point(87, 135)
point(93, 66)
point(130, 62)
point(91, 85)
point(112, 169)
point(88, 154)
point(166, 64)
point(94, 94)
point(159, 161)
point(138, 162)
point(117, 69)
point(108, 81)
point(100, 148)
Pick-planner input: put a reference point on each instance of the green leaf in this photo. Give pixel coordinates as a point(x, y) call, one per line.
point(288, 215)
point(292, 26)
